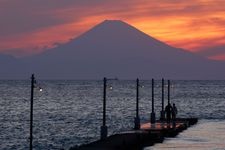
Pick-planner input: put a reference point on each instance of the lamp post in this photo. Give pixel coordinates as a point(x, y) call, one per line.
point(153, 112)
point(137, 118)
point(168, 91)
point(31, 111)
point(104, 129)
point(33, 85)
point(162, 112)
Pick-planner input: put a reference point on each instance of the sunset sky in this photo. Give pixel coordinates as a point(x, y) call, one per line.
point(32, 26)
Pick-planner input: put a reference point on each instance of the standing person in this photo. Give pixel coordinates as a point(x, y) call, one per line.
point(168, 111)
point(174, 114)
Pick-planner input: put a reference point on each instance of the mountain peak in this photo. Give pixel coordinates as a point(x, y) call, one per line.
point(112, 21)
point(113, 31)
point(117, 29)
point(114, 24)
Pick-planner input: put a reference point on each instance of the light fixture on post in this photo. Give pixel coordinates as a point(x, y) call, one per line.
point(31, 111)
point(162, 114)
point(137, 118)
point(153, 112)
point(33, 85)
point(168, 92)
point(104, 128)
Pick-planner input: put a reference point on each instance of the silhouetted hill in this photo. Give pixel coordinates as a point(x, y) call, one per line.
point(114, 48)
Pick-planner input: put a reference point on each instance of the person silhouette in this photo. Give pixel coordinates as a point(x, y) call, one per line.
point(174, 111)
point(174, 114)
point(168, 111)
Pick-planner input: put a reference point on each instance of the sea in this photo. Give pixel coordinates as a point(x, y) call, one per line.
point(69, 112)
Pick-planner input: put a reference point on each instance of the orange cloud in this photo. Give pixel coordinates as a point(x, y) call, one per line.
point(45, 38)
point(218, 57)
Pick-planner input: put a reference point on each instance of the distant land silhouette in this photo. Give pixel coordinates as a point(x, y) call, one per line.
point(112, 48)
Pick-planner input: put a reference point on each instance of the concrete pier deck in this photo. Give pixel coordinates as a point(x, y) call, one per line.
point(148, 135)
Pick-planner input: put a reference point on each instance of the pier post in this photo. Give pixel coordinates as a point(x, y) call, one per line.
point(104, 129)
point(168, 91)
point(162, 117)
point(153, 112)
point(137, 119)
point(31, 111)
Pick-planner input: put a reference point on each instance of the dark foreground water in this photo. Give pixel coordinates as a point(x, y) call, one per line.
point(68, 113)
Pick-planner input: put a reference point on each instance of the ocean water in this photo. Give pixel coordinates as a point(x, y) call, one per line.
point(68, 113)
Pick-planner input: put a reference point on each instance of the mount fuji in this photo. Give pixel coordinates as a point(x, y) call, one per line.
point(114, 48)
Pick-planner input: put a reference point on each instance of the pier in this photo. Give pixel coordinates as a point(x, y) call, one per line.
point(142, 135)
point(147, 135)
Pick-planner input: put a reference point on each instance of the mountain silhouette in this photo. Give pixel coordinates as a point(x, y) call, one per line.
point(114, 48)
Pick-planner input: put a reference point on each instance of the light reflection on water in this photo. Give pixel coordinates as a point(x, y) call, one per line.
point(67, 113)
point(206, 135)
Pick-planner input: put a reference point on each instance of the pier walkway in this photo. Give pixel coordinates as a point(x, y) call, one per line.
point(147, 135)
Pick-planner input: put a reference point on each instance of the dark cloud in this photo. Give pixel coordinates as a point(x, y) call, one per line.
point(19, 16)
